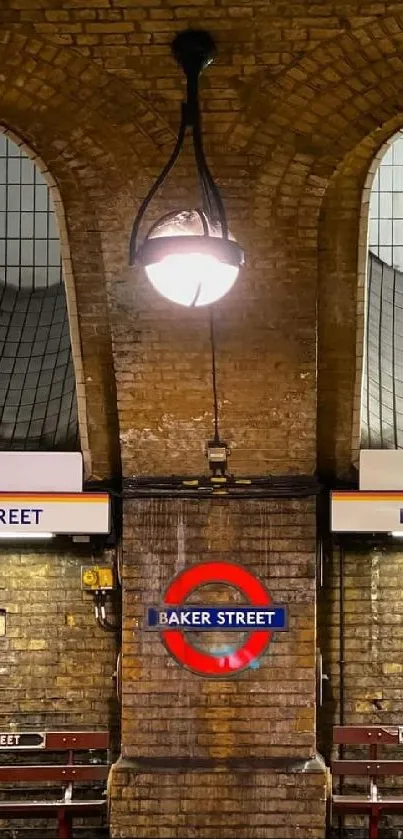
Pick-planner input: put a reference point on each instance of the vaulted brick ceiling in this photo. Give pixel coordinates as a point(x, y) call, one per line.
point(297, 103)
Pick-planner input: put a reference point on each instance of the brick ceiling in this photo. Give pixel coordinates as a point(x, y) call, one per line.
point(301, 94)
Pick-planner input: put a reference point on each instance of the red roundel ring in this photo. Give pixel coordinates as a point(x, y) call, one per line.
point(205, 664)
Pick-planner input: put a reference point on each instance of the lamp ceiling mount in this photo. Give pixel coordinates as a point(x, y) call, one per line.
point(193, 49)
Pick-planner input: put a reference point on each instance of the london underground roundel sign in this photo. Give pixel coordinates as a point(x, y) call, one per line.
point(259, 618)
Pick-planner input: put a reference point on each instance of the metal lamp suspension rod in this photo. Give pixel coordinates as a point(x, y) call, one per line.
point(195, 123)
point(193, 50)
point(210, 191)
point(155, 187)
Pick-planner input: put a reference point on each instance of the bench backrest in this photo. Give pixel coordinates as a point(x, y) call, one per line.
point(366, 735)
point(371, 736)
point(70, 743)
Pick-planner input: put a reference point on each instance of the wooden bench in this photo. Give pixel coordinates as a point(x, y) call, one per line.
point(69, 774)
point(374, 804)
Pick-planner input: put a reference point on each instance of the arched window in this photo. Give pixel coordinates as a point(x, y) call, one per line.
point(382, 387)
point(38, 406)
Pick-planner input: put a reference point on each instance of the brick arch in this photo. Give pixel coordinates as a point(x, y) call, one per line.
point(361, 308)
point(68, 279)
point(343, 249)
point(86, 299)
point(312, 156)
point(89, 133)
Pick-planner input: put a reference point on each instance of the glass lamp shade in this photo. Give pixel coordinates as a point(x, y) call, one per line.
point(187, 260)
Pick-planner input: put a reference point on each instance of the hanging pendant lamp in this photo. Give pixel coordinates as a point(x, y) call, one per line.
point(189, 255)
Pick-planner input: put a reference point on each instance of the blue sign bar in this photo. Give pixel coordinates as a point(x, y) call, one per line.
point(235, 618)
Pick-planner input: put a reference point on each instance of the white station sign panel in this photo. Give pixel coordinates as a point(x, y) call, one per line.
point(381, 469)
point(69, 513)
point(41, 472)
point(366, 512)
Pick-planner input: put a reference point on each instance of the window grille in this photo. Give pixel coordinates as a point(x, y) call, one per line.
point(386, 207)
point(38, 406)
point(382, 392)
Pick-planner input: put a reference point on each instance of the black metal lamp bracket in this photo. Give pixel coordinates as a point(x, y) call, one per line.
point(193, 49)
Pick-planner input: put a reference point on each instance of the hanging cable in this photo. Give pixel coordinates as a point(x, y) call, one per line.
point(217, 450)
point(214, 377)
point(100, 613)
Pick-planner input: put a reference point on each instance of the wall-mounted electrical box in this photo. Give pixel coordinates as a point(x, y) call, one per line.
point(97, 578)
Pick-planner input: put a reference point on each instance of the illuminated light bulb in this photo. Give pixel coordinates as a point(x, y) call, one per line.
point(192, 279)
point(188, 261)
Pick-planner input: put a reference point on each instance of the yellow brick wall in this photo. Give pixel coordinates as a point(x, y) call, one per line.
point(56, 664)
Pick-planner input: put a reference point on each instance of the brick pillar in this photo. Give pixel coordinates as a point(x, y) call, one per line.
point(233, 757)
